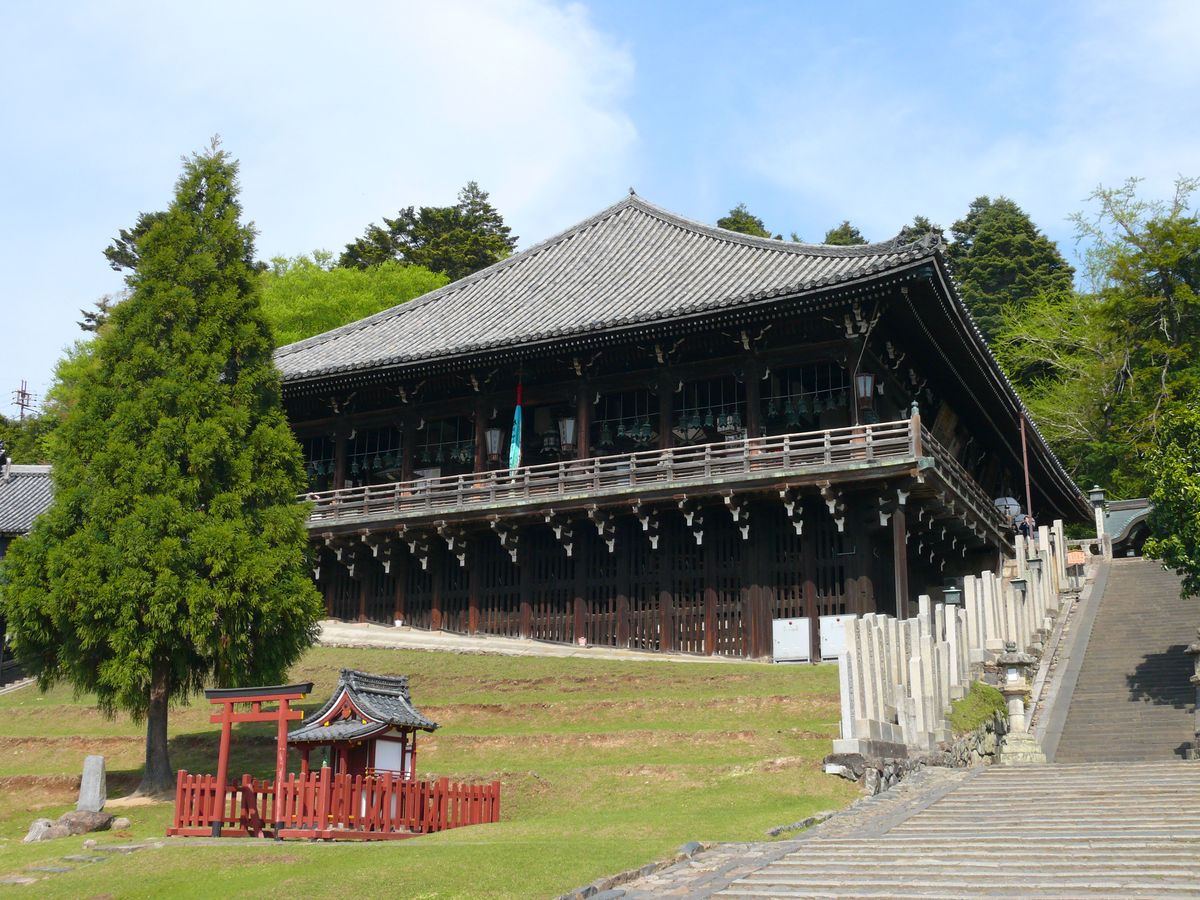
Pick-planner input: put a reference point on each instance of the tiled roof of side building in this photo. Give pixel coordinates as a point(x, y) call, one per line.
point(629, 265)
point(383, 699)
point(25, 492)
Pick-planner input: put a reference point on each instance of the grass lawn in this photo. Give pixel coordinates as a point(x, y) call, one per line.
point(605, 766)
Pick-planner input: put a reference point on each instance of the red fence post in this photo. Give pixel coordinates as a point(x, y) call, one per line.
point(323, 801)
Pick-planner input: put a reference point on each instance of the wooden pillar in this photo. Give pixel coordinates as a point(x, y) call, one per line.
point(582, 558)
point(624, 576)
point(753, 398)
point(364, 588)
point(710, 595)
point(281, 744)
point(666, 409)
point(525, 581)
point(900, 561)
point(329, 589)
point(666, 599)
point(341, 443)
point(217, 814)
point(808, 554)
point(474, 581)
point(304, 751)
point(480, 435)
point(408, 440)
point(583, 421)
point(437, 558)
point(400, 567)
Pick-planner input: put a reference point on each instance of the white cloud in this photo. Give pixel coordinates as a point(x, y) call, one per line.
point(1113, 94)
point(339, 116)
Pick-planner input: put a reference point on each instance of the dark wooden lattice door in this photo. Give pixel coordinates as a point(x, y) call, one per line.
point(499, 588)
point(551, 587)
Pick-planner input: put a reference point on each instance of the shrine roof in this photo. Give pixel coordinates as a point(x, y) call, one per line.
point(25, 492)
point(630, 265)
point(1121, 516)
point(383, 701)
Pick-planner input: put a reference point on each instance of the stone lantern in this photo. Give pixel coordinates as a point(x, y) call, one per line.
point(1019, 745)
point(1193, 651)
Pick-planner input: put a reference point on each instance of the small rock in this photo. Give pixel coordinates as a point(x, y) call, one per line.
point(120, 823)
point(81, 821)
point(17, 879)
point(89, 843)
point(54, 870)
point(37, 831)
point(690, 849)
point(838, 769)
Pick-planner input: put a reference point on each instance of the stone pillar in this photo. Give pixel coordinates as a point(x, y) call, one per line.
point(1193, 651)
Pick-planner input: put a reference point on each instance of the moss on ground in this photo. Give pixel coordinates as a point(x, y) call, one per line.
point(981, 703)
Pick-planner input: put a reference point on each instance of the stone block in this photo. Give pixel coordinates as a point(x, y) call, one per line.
point(93, 789)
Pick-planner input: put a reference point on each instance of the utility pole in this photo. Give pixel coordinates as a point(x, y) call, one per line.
point(23, 400)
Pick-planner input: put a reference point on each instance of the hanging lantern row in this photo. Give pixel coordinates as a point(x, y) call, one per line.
point(725, 423)
point(461, 452)
point(640, 433)
point(797, 405)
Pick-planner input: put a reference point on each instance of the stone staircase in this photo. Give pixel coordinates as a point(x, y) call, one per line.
point(1091, 830)
point(1132, 700)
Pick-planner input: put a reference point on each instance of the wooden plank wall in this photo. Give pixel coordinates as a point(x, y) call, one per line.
point(718, 596)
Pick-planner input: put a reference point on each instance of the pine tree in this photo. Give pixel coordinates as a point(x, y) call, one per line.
point(173, 554)
point(1001, 259)
point(453, 240)
point(741, 220)
point(844, 235)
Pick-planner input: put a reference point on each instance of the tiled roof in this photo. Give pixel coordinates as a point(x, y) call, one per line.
point(629, 265)
point(1121, 515)
point(383, 700)
point(25, 492)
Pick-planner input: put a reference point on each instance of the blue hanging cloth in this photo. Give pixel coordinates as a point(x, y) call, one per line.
point(514, 449)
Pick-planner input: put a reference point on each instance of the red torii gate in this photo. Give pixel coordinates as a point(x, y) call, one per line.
point(282, 694)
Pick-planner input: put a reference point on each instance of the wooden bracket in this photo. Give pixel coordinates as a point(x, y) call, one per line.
point(564, 531)
point(510, 537)
point(739, 508)
point(694, 518)
point(648, 517)
point(418, 546)
point(456, 540)
point(794, 507)
point(602, 519)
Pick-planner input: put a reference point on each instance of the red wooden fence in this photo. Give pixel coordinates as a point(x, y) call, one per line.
point(324, 805)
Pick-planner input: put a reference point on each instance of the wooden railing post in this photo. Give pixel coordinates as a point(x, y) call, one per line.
point(323, 799)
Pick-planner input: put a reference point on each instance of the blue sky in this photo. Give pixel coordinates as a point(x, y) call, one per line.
point(807, 112)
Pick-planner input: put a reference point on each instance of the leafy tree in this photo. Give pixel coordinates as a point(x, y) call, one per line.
point(1001, 258)
point(173, 552)
point(25, 440)
point(97, 317)
point(740, 219)
point(122, 254)
point(844, 235)
point(301, 297)
point(1175, 521)
point(454, 240)
point(1058, 351)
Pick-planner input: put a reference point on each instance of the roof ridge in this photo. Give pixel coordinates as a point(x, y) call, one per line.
point(436, 294)
point(630, 201)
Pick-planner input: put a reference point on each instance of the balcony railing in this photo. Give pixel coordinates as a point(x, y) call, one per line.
point(753, 458)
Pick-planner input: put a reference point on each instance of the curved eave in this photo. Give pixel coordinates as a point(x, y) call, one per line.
point(807, 299)
point(1056, 481)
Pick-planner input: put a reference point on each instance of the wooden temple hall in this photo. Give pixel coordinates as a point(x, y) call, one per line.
point(716, 432)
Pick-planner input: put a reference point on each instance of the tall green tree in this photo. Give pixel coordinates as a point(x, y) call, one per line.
point(173, 554)
point(302, 296)
point(844, 234)
point(1175, 521)
point(1001, 259)
point(741, 220)
point(453, 240)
